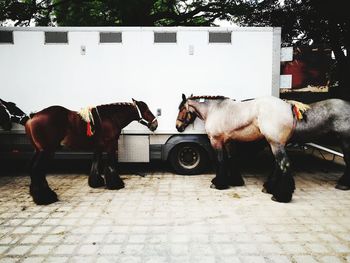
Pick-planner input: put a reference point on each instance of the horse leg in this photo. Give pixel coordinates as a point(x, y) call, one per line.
point(344, 181)
point(113, 180)
point(220, 181)
point(234, 175)
point(271, 180)
point(95, 178)
point(39, 188)
point(282, 184)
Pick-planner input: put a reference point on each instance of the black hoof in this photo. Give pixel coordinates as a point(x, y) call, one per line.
point(115, 184)
point(268, 187)
point(342, 187)
point(220, 187)
point(219, 183)
point(236, 182)
point(282, 199)
point(283, 190)
point(96, 181)
point(43, 196)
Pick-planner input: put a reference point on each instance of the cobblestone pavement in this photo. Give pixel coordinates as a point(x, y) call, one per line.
point(165, 217)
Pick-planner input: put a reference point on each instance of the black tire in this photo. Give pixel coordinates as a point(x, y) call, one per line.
point(188, 158)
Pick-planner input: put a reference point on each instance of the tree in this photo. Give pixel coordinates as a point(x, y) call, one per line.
point(116, 12)
point(322, 23)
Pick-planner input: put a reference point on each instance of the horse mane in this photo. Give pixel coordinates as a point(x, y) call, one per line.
point(111, 108)
point(206, 97)
point(117, 104)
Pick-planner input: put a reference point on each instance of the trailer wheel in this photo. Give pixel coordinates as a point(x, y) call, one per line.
point(188, 158)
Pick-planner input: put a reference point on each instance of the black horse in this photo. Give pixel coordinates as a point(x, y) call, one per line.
point(10, 113)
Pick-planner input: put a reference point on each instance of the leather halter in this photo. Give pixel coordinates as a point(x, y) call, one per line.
point(186, 121)
point(141, 119)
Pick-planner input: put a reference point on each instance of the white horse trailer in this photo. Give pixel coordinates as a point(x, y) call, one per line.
point(84, 66)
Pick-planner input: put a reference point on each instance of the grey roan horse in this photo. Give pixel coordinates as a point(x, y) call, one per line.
point(271, 118)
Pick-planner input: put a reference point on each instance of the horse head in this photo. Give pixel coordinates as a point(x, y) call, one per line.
point(5, 117)
point(146, 117)
point(9, 113)
point(186, 115)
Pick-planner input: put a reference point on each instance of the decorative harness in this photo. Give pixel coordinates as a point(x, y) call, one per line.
point(13, 117)
point(298, 111)
point(88, 116)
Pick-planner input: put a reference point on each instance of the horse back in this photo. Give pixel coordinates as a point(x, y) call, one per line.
point(325, 117)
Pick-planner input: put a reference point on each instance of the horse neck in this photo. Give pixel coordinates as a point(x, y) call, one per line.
point(201, 108)
point(120, 114)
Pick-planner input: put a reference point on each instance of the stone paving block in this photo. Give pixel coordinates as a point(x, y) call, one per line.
point(18, 250)
point(171, 218)
point(331, 259)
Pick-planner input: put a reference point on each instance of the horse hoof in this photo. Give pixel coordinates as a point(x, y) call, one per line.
point(237, 183)
point(219, 187)
point(44, 196)
point(342, 187)
point(96, 182)
point(285, 199)
point(115, 186)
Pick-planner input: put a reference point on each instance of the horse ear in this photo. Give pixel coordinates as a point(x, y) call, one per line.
point(183, 97)
point(133, 100)
point(191, 95)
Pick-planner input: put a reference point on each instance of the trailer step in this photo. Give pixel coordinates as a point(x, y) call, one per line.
point(322, 148)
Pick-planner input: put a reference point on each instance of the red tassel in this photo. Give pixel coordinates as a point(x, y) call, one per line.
point(297, 113)
point(88, 129)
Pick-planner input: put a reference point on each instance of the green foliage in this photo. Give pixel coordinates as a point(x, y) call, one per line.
point(117, 12)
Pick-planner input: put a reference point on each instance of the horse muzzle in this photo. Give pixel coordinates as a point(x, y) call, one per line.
point(180, 128)
point(153, 125)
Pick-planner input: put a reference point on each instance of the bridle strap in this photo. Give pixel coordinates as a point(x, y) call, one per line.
point(141, 119)
point(186, 121)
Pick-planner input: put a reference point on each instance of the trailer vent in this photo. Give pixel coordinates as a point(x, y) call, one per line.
point(164, 37)
point(110, 37)
point(219, 37)
point(56, 37)
point(6, 37)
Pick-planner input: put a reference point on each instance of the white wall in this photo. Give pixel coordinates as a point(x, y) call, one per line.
point(35, 75)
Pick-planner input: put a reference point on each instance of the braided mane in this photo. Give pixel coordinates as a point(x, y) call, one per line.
point(117, 104)
point(202, 97)
point(207, 97)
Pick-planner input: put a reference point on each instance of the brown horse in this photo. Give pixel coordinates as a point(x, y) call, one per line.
point(56, 125)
